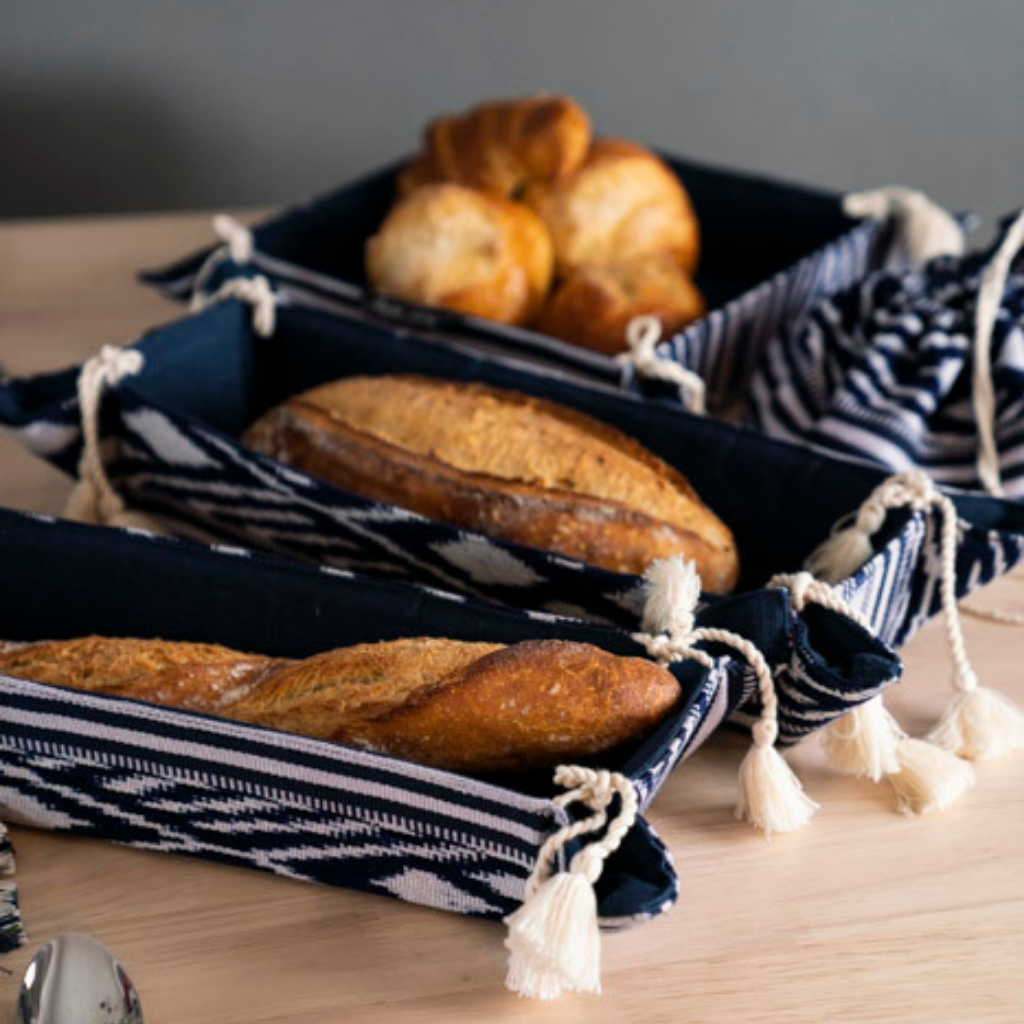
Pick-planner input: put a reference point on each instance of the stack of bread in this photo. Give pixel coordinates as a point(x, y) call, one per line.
point(513, 212)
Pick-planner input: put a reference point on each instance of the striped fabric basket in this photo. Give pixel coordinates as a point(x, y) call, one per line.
point(183, 782)
point(768, 251)
point(171, 449)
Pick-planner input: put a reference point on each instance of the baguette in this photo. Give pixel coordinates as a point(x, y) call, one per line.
point(460, 706)
point(505, 464)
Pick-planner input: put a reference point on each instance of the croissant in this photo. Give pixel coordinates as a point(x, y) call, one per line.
point(622, 202)
point(454, 247)
point(593, 306)
point(502, 146)
point(461, 706)
point(506, 464)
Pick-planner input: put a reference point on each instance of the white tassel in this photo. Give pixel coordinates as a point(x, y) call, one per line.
point(980, 723)
point(769, 795)
point(929, 778)
point(672, 588)
point(869, 743)
point(863, 742)
point(553, 939)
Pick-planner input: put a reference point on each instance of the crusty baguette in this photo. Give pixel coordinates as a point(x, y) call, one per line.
point(470, 707)
point(509, 465)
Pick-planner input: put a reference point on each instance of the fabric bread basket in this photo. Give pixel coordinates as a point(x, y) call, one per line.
point(169, 421)
point(769, 250)
point(183, 782)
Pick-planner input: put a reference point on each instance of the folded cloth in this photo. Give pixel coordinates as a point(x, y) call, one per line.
point(913, 369)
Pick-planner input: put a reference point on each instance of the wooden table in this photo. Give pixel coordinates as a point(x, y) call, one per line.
point(863, 916)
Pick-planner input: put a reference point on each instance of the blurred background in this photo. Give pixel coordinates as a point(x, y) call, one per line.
point(114, 105)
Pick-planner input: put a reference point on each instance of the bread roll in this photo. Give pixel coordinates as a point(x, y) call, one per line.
point(453, 247)
point(502, 463)
point(622, 202)
point(503, 146)
point(469, 707)
point(593, 306)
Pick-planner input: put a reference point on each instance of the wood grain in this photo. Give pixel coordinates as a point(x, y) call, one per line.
point(865, 916)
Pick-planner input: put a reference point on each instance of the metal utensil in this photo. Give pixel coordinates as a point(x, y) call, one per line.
point(74, 979)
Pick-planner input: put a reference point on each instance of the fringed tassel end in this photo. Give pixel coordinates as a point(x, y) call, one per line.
point(980, 723)
point(769, 795)
point(863, 743)
point(553, 940)
point(929, 778)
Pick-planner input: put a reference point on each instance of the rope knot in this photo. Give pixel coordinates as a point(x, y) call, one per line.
point(236, 236)
point(769, 794)
point(256, 291)
point(93, 499)
point(643, 333)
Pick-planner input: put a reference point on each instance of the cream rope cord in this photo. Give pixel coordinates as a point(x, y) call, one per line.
point(553, 938)
point(238, 246)
point(990, 296)
point(925, 229)
point(980, 722)
point(254, 290)
point(93, 499)
point(642, 335)
point(769, 795)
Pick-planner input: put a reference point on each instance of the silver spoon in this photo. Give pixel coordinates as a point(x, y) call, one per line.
point(74, 979)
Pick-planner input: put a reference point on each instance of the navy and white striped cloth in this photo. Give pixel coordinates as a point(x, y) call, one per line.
point(884, 370)
point(182, 782)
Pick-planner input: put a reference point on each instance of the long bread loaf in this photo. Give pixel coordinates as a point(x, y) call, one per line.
point(470, 707)
point(509, 465)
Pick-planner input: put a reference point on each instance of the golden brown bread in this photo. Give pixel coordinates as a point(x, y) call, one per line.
point(471, 707)
point(623, 201)
point(453, 247)
point(506, 464)
point(593, 306)
point(502, 146)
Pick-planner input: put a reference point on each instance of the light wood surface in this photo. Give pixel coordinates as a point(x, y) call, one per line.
point(864, 916)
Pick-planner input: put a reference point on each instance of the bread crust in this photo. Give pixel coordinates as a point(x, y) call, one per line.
point(503, 147)
point(508, 465)
point(462, 706)
point(460, 249)
point(593, 306)
point(624, 201)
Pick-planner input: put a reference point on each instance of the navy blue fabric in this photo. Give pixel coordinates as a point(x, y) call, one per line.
point(63, 579)
point(884, 371)
point(768, 248)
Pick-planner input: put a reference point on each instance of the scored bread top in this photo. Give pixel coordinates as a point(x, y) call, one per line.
point(479, 429)
point(461, 705)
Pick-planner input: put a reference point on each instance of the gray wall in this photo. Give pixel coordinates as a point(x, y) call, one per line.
point(111, 105)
